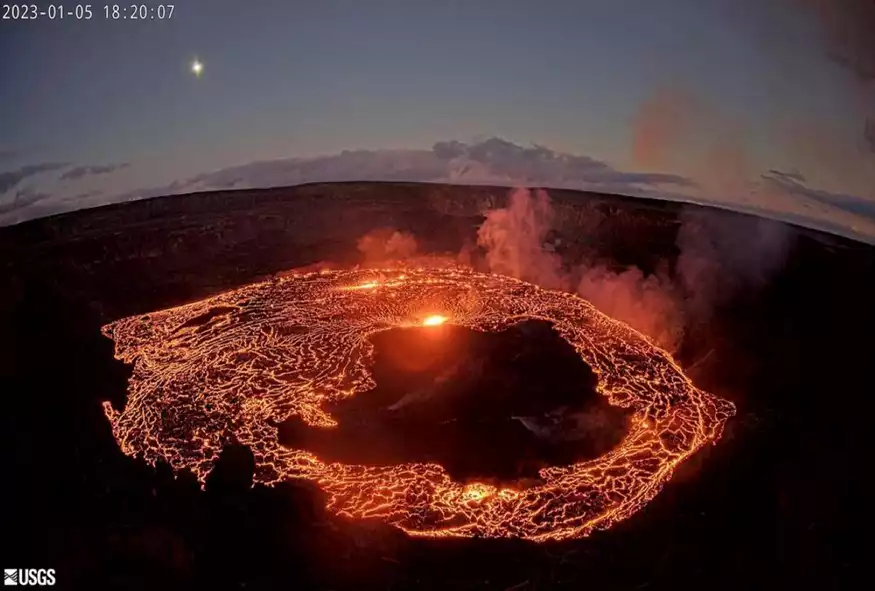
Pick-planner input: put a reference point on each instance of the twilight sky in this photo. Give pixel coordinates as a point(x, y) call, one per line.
point(743, 99)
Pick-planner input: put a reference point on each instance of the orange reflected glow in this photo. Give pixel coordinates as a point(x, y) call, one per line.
point(232, 367)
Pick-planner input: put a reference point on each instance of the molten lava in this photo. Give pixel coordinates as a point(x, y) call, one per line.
point(232, 367)
point(434, 320)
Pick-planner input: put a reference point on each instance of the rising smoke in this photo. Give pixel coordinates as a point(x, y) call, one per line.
point(848, 38)
point(648, 303)
point(385, 245)
point(676, 129)
point(717, 257)
point(721, 256)
point(841, 30)
point(513, 238)
point(515, 241)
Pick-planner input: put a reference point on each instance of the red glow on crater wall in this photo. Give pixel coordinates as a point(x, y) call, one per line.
point(233, 366)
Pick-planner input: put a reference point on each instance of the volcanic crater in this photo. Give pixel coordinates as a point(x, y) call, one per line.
point(487, 406)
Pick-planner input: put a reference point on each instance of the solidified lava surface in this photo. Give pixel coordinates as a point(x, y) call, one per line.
point(487, 406)
point(234, 367)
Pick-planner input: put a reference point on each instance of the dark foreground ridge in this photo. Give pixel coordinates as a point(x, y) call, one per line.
point(774, 505)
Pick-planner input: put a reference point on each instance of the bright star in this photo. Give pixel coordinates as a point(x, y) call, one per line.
point(197, 67)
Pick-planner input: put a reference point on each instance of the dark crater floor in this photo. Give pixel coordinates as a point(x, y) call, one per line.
point(776, 504)
point(486, 406)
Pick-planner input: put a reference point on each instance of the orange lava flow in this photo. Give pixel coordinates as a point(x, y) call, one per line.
point(434, 320)
point(231, 367)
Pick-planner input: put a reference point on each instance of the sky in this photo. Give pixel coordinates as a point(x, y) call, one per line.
point(751, 102)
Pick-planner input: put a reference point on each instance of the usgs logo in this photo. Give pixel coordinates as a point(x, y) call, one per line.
point(28, 576)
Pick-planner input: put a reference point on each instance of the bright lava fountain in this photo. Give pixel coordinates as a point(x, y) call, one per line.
point(232, 367)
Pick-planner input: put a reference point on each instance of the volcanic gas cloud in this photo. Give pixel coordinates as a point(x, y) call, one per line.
point(232, 367)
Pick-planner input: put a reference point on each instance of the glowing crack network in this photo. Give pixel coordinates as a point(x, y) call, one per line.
point(232, 367)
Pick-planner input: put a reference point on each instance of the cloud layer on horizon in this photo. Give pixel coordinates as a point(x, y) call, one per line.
point(25, 197)
point(794, 183)
point(78, 172)
point(784, 195)
point(493, 160)
point(10, 179)
point(847, 28)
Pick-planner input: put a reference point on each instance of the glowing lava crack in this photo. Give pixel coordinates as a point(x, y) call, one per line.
point(234, 366)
